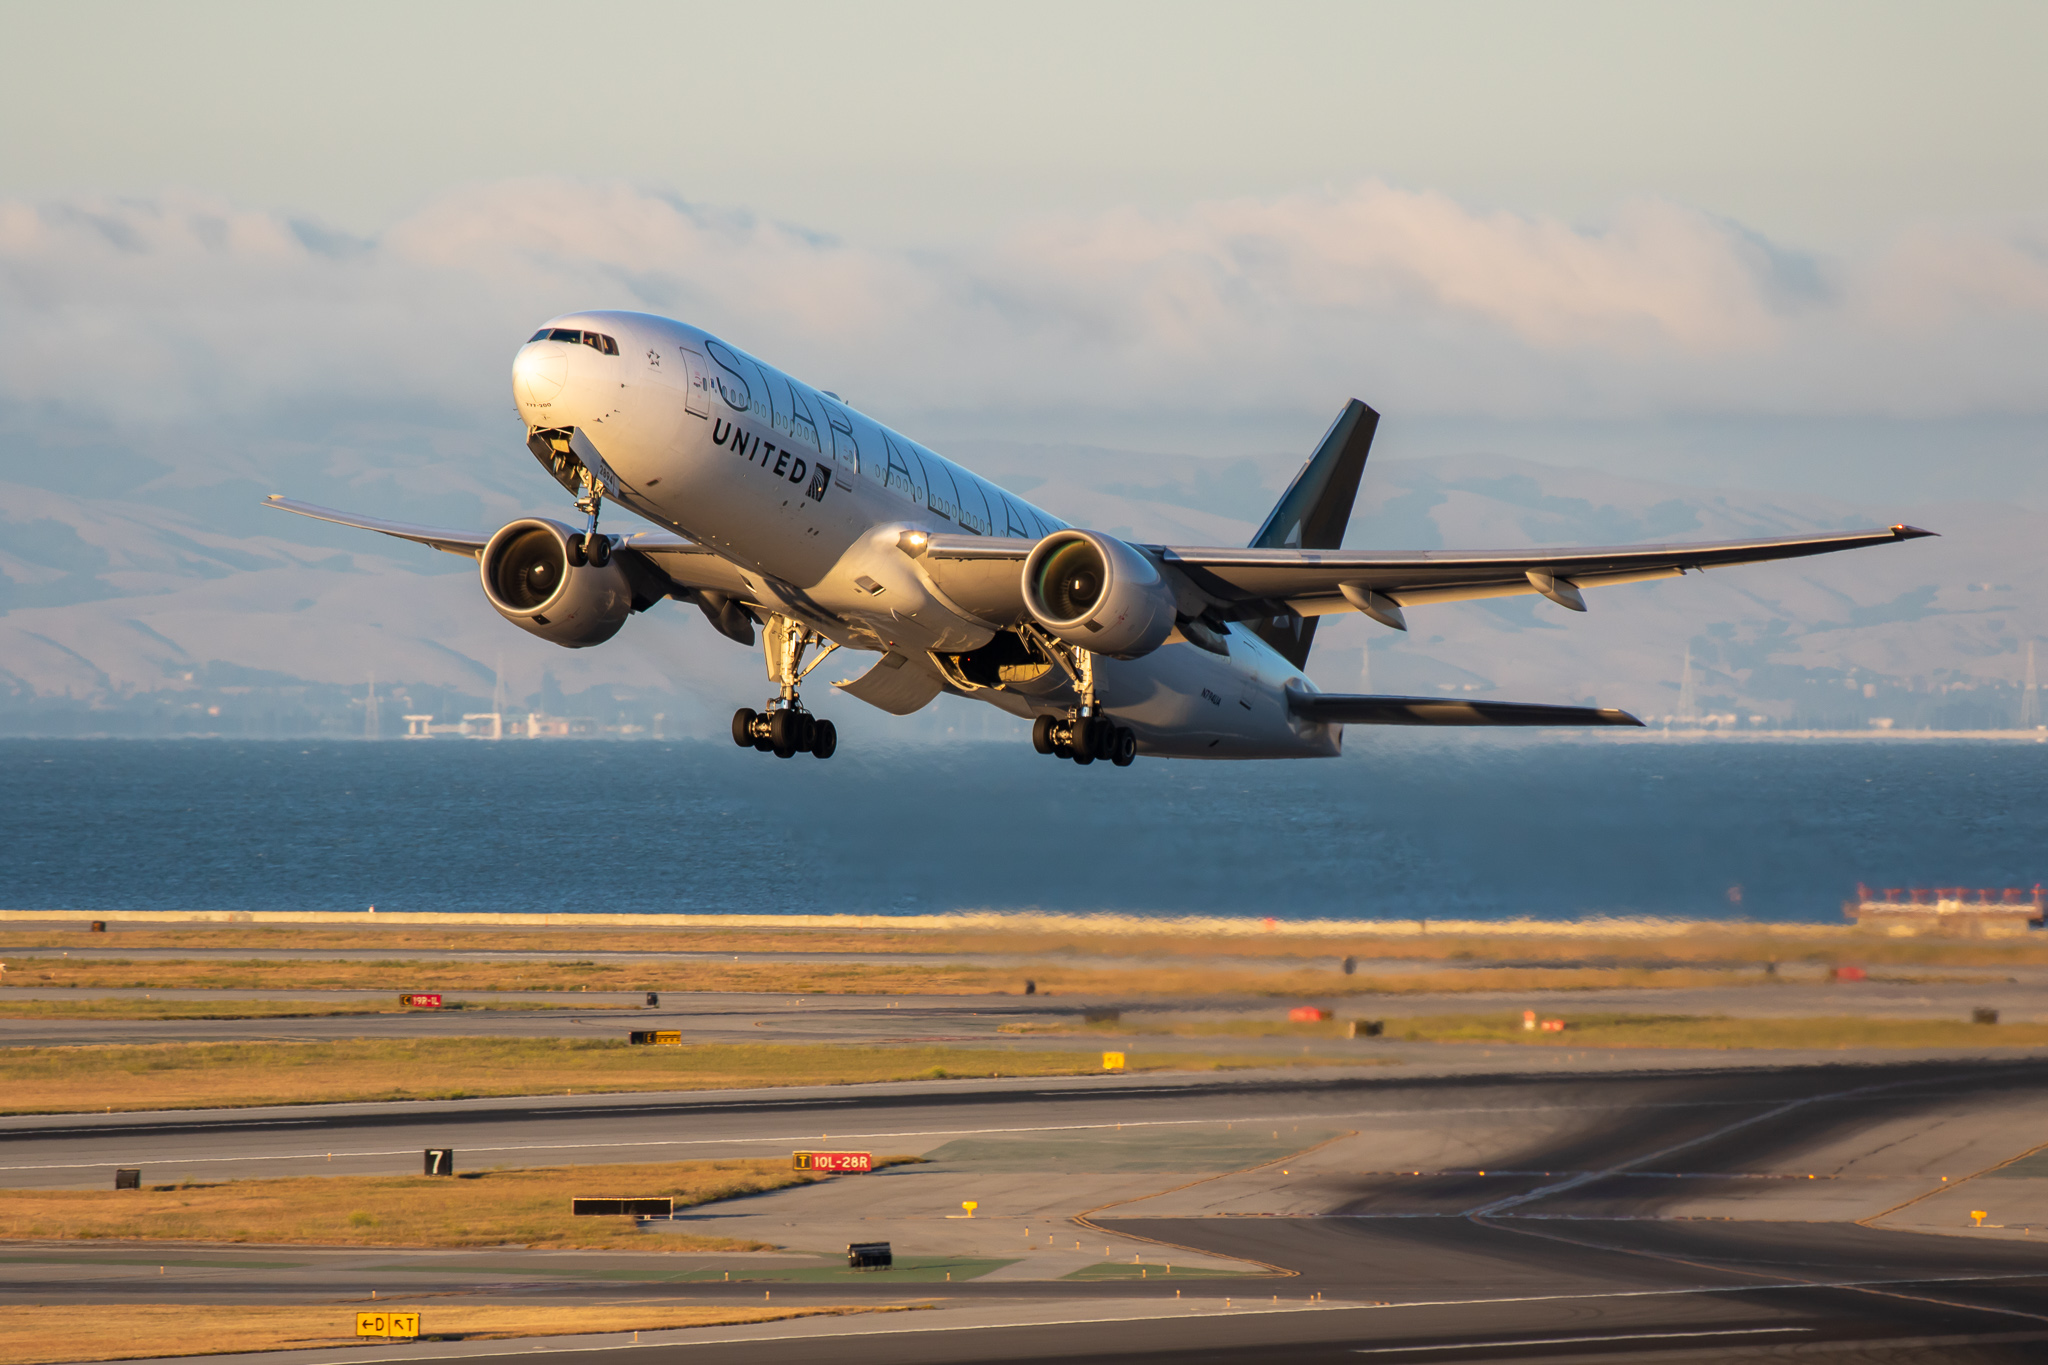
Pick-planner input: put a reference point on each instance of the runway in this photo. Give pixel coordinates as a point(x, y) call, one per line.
point(1734, 1212)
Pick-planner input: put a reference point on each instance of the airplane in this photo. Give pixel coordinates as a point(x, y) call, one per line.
point(785, 507)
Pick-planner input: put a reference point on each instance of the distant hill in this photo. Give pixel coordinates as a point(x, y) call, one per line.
point(121, 617)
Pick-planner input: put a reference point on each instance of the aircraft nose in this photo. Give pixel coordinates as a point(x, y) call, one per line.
point(539, 372)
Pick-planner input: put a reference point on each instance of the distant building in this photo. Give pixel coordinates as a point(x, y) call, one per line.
point(1950, 910)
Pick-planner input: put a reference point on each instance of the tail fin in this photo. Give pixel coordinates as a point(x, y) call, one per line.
point(1312, 515)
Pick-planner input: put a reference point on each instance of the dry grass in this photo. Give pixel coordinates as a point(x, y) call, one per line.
point(223, 1075)
point(528, 1207)
point(1056, 978)
point(1699, 943)
point(1611, 1030)
point(37, 1335)
point(124, 1007)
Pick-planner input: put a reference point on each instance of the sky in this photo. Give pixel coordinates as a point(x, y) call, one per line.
point(1773, 245)
point(1826, 124)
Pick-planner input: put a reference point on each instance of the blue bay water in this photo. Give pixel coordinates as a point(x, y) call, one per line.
point(1405, 825)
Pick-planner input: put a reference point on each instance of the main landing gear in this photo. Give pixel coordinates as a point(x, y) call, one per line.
point(784, 733)
point(1085, 734)
point(786, 728)
point(1085, 739)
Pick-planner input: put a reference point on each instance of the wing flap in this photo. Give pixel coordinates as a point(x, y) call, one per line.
point(1343, 709)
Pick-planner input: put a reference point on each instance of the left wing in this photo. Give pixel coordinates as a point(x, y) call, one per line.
point(1341, 709)
point(981, 574)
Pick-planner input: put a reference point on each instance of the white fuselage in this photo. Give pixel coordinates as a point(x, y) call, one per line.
point(808, 499)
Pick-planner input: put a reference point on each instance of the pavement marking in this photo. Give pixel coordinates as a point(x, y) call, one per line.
point(1572, 1341)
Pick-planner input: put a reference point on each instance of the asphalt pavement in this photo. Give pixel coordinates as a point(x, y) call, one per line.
point(1726, 1212)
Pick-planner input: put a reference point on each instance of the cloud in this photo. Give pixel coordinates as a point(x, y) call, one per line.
point(180, 309)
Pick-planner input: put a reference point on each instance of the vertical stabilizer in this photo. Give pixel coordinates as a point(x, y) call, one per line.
point(1312, 515)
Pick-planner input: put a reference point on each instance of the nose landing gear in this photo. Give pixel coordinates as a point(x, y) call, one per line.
point(786, 728)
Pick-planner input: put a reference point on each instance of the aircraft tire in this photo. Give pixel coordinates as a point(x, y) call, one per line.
point(577, 559)
point(1041, 734)
point(786, 732)
point(827, 741)
point(1087, 733)
point(599, 551)
point(743, 727)
point(1084, 759)
point(1126, 750)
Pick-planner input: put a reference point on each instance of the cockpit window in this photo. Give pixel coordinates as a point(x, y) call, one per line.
point(595, 341)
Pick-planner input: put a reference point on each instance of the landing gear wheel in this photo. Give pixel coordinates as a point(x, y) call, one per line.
point(785, 733)
point(1126, 750)
point(764, 742)
point(577, 559)
point(1041, 734)
point(599, 550)
point(1086, 734)
point(743, 727)
point(826, 741)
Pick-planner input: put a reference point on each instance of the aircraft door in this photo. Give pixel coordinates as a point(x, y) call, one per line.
point(696, 382)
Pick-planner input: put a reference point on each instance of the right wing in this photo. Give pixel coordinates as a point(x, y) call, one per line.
point(1342, 709)
point(660, 562)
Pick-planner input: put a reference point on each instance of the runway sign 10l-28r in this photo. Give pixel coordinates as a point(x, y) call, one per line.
point(834, 1163)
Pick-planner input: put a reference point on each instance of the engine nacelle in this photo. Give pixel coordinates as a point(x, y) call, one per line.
point(1098, 593)
point(530, 578)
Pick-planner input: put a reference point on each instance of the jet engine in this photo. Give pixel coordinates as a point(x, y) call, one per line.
point(539, 577)
point(1098, 593)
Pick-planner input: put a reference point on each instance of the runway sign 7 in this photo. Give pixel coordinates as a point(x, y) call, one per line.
point(387, 1325)
point(834, 1163)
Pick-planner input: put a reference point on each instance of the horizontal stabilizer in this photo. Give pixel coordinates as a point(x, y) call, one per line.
point(1339, 709)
